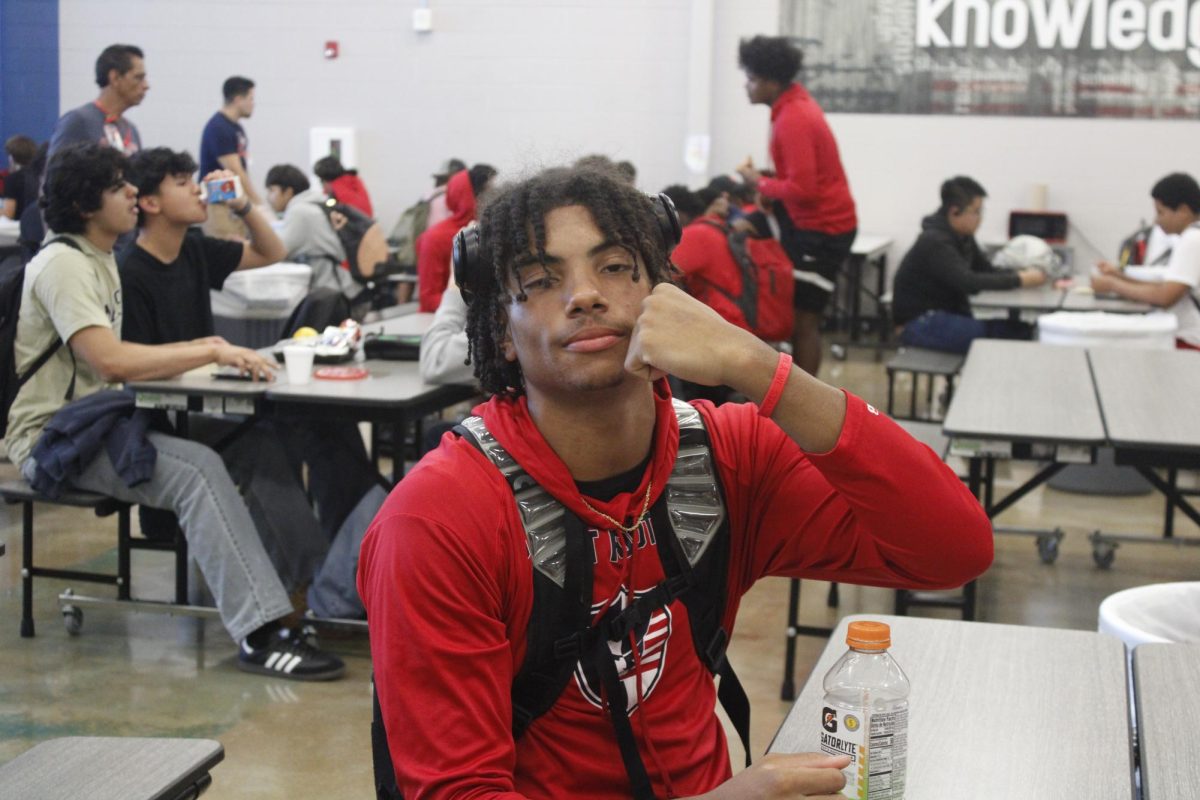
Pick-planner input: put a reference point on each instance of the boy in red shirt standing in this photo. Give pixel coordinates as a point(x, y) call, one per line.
point(816, 214)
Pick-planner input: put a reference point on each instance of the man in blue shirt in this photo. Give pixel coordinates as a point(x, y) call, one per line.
point(224, 145)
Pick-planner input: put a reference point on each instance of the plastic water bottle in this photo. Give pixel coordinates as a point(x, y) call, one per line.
point(865, 714)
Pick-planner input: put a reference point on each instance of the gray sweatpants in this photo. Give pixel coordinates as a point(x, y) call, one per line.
point(190, 479)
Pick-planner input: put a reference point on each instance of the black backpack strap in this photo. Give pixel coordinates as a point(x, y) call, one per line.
point(747, 302)
point(552, 660)
point(706, 595)
point(617, 701)
point(58, 342)
point(385, 773)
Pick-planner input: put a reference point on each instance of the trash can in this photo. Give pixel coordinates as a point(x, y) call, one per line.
point(253, 304)
point(1160, 612)
point(1155, 331)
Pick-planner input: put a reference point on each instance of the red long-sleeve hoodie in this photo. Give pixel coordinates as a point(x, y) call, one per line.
point(447, 582)
point(348, 188)
point(809, 178)
point(435, 244)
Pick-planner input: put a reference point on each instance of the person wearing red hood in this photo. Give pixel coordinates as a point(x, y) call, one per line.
point(433, 246)
point(343, 184)
point(573, 324)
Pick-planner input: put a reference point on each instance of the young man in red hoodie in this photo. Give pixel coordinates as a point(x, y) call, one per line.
point(343, 184)
point(433, 246)
point(816, 214)
point(573, 324)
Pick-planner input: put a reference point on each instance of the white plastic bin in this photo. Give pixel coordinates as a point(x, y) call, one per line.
point(1154, 331)
point(1158, 613)
point(252, 306)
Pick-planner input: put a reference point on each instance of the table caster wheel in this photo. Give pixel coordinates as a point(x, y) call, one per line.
point(1104, 553)
point(1047, 546)
point(73, 619)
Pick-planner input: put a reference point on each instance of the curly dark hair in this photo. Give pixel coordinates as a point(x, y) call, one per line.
point(513, 223)
point(79, 175)
point(149, 168)
point(772, 57)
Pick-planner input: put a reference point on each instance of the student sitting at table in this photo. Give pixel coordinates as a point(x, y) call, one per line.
point(307, 232)
point(554, 650)
point(72, 294)
point(944, 266)
point(167, 276)
point(343, 184)
point(433, 246)
point(1177, 211)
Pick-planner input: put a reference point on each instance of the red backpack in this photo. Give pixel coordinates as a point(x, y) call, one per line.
point(767, 284)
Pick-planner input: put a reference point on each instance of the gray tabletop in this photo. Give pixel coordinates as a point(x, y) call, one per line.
point(389, 384)
point(406, 325)
point(1167, 683)
point(1033, 298)
point(1088, 301)
point(997, 711)
point(1025, 391)
point(870, 245)
point(108, 768)
point(1147, 395)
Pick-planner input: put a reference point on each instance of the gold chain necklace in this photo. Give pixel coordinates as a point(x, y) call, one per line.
point(636, 523)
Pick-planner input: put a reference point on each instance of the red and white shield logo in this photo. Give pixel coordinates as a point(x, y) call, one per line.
point(649, 643)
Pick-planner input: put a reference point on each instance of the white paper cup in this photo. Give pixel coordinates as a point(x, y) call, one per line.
point(299, 361)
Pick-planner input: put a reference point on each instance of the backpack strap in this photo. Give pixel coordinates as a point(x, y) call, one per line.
point(747, 301)
point(689, 543)
point(58, 342)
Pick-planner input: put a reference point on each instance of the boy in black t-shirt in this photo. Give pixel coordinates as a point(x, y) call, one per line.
point(166, 277)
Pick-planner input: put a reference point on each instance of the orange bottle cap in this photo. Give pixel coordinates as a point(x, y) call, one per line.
point(867, 635)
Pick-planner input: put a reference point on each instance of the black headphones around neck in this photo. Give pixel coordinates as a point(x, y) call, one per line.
point(466, 257)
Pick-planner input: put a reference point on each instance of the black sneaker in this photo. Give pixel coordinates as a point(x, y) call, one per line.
point(290, 656)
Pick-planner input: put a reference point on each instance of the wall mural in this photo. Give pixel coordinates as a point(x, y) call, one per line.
point(1050, 58)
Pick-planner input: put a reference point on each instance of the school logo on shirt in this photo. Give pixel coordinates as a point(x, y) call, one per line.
point(640, 656)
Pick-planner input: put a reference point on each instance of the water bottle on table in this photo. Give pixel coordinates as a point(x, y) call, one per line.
point(865, 714)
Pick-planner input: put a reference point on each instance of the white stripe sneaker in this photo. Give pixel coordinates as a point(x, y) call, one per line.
point(290, 656)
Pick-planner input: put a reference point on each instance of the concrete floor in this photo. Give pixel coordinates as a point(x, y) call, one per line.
point(140, 674)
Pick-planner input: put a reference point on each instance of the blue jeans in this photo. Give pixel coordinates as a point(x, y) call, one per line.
point(190, 479)
point(953, 333)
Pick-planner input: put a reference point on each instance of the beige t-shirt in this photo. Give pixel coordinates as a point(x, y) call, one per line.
point(65, 291)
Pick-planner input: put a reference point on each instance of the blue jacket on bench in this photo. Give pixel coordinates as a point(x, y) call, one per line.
point(75, 434)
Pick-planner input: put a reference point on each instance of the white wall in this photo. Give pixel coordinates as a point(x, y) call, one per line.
point(516, 84)
point(531, 82)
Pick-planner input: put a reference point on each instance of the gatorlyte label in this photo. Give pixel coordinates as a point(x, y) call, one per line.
point(877, 745)
point(844, 733)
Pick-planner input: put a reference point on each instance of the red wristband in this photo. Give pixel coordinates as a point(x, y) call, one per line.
point(767, 407)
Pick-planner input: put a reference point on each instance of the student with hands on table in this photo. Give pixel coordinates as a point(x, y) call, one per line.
point(1177, 211)
point(573, 322)
point(68, 345)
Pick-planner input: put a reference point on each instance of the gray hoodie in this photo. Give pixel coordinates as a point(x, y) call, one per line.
point(310, 239)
